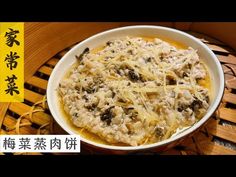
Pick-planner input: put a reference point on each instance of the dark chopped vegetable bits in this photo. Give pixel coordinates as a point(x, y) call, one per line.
point(130, 52)
point(107, 115)
point(185, 74)
point(182, 107)
point(170, 80)
point(80, 57)
point(121, 100)
point(97, 81)
point(189, 66)
point(113, 94)
point(161, 57)
point(86, 50)
point(159, 131)
point(149, 59)
point(77, 88)
point(196, 104)
point(75, 115)
point(133, 76)
point(118, 71)
point(207, 99)
point(85, 97)
point(108, 43)
point(88, 89)
point(91, 107)
point(128, 110)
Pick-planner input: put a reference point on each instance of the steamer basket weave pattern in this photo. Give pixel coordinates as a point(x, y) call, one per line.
point(217, 136)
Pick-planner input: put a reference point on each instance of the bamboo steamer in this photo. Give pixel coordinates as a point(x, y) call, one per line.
point(46, 43)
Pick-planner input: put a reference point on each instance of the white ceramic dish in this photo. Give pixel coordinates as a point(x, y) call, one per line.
point(214, 66)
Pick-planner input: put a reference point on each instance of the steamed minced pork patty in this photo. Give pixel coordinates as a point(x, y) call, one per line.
point(135, 91)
